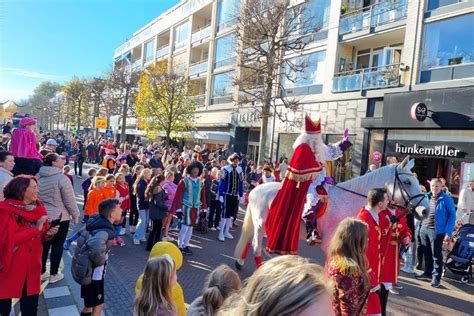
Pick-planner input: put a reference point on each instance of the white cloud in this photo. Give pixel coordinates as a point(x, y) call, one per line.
point(29, 73)
point(14, 94)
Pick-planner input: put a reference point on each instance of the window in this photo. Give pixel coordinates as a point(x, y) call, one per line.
point(448, 48)
point(225, 51)
point(312, 75)
point(434, 4)
point(222, 88)
point(319, 11)
point(181, 35)
point(226, 10)
point(149, 49)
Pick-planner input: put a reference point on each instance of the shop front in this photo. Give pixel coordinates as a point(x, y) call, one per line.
point(436, 127)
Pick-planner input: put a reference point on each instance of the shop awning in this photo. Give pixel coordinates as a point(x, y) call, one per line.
point(212, 136)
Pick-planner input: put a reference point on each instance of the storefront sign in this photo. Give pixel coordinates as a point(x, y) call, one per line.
point(419, 112)
point(434, 151)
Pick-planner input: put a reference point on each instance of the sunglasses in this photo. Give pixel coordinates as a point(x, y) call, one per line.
point(62, 157)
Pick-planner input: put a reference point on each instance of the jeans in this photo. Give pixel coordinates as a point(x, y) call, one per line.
point(155, 234)
point(431, 244)
point(78, 163)
point(28, 304)
point(143, 216)
point(56, 244)
point(214, 213)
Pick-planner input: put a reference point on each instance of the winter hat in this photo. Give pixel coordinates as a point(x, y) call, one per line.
point(26, 121)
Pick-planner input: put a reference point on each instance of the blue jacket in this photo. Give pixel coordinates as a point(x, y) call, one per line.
point(224, 183)
point(445, 214)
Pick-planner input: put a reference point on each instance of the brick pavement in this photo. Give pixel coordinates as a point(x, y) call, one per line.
point(127, 263)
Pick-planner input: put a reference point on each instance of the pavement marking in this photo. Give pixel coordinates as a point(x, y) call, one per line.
point(70, 310)
point(56, 292)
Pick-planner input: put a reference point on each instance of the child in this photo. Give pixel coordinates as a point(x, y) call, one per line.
point(154, 297)
point(215, 207)
point(347, 267)
point(92, 252)
point(87, 184)
point(109, 161)
point(124, 196)
point(94, 198)
point(170, 188)
point(220, 284)
point(103, 172)
point(66, 170)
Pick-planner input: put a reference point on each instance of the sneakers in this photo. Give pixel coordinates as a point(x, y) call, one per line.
point(423, 277)
point(186, 251)
point(213, 229)
point(435, 283)
point(56, 277)
point(394, 291)
point(143, 239)
point(67, 244)
point(408, 270)
point(119, 242)
point(132, 229)
point(45, 276)
point(168, 238)
point(123, 231)
point(221, 238)
point(136, 242)
point(397, 286)
point(228, 236)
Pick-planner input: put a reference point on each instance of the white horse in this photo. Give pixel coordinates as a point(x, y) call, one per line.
point(345, 200)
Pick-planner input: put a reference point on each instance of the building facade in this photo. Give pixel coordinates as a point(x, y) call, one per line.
point(368, 64)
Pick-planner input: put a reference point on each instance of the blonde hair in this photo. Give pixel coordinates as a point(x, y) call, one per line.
point(156, 287)
point(220, 284)
point(347, 250)
point(95, 181)
point(119, 175)
point(169, 175)
point(285, 285)
point(142, 176)
point(103, 172)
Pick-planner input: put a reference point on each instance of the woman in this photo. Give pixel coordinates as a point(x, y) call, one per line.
point(23, 227)
point(158, 210)
point(347, 266)
point(285, 285)
point(131, 178)
point(143, 205)
point(81, 156)
point(221, 283)
point(23, 146)
point(57, 194)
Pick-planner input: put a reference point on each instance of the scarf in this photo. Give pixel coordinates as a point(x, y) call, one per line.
point(10, 210)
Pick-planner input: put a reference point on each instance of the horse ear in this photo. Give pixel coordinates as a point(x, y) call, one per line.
point(404, 162)
point(410, 164)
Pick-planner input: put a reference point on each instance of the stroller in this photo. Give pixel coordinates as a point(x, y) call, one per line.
point(459, 259)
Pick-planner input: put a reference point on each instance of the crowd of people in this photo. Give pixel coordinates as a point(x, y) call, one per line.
point(140, 189)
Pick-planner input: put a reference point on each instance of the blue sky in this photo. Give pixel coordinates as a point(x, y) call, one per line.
point(57, 39)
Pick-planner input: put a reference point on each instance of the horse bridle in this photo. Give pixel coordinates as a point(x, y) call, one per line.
point(405, 195)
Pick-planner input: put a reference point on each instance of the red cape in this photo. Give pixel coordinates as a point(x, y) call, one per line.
point(284, 216)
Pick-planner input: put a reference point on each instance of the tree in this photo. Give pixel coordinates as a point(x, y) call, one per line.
point(76, 92)
point(122, 85)
point(162, 102)
point(268, 31)
point(39, 104)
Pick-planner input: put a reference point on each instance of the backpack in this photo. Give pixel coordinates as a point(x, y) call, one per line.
point(81, 267)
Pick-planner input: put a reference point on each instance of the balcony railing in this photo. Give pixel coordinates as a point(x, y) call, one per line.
point(372, 16)
point(366, 79)
point(199, 99)
point(179, 69)
point(162, 51)
point(203, 33)
point(222, 99)
point(136, 64)
point(225, 62)
point(198, 67)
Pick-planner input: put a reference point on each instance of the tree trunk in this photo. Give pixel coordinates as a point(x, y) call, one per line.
point(263, 140)
point(79, 115)
point(123, 134)
point(96, 114)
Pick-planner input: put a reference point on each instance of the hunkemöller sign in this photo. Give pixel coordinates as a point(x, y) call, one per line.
point(438, 151)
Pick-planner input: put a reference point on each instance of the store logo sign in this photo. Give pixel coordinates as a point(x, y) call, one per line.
point(436, 151)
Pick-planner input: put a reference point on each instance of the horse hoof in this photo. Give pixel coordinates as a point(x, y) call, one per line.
point(238, 266)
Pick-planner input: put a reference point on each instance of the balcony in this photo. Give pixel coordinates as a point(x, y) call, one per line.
point(224, 63)
point(373, 16)
point(367, 79)
point(137, 64)
point(198, 68)
point(162, 51)
point(202, 34)
point(222, 99)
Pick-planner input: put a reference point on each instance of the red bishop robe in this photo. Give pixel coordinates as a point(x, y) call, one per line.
point(392, 242)
point(374, 256)
point(284, 216)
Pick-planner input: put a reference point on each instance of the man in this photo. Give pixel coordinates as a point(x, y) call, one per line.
point(433, 232)
point(397, 240)
point(231, 190)
point(92, 250)
point(132, 158)
point(7, 162)
point(377, 201)
point(466, 202)
point(189, 201)
point(51, 145)
point(306, 165)
point(156, 162)
point(7, 128)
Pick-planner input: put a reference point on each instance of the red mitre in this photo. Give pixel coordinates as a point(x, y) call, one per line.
point(312, 127)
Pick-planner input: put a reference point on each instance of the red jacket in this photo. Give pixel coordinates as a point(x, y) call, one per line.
point(125, 194)
point(24, 250)
point(391, 246)
point(373, 253)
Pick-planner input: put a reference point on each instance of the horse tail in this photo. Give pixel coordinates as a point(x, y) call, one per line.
point(246, 234)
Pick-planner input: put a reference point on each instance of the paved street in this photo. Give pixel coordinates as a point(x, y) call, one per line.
point(126, 264)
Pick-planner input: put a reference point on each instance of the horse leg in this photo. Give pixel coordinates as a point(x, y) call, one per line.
point(258, 246)
point(243, 245)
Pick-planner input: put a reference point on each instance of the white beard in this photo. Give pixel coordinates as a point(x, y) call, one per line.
point(315, 142)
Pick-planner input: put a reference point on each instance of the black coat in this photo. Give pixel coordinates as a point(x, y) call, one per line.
point(158, 208)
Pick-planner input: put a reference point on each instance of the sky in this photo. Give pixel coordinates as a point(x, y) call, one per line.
point(55, 40)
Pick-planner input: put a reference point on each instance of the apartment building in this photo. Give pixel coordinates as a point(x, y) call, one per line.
point(369, 63)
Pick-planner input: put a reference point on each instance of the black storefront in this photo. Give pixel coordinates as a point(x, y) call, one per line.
point(434, 126)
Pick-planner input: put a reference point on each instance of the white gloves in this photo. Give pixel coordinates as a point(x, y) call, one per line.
point(221, 199)
point(241, 200)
